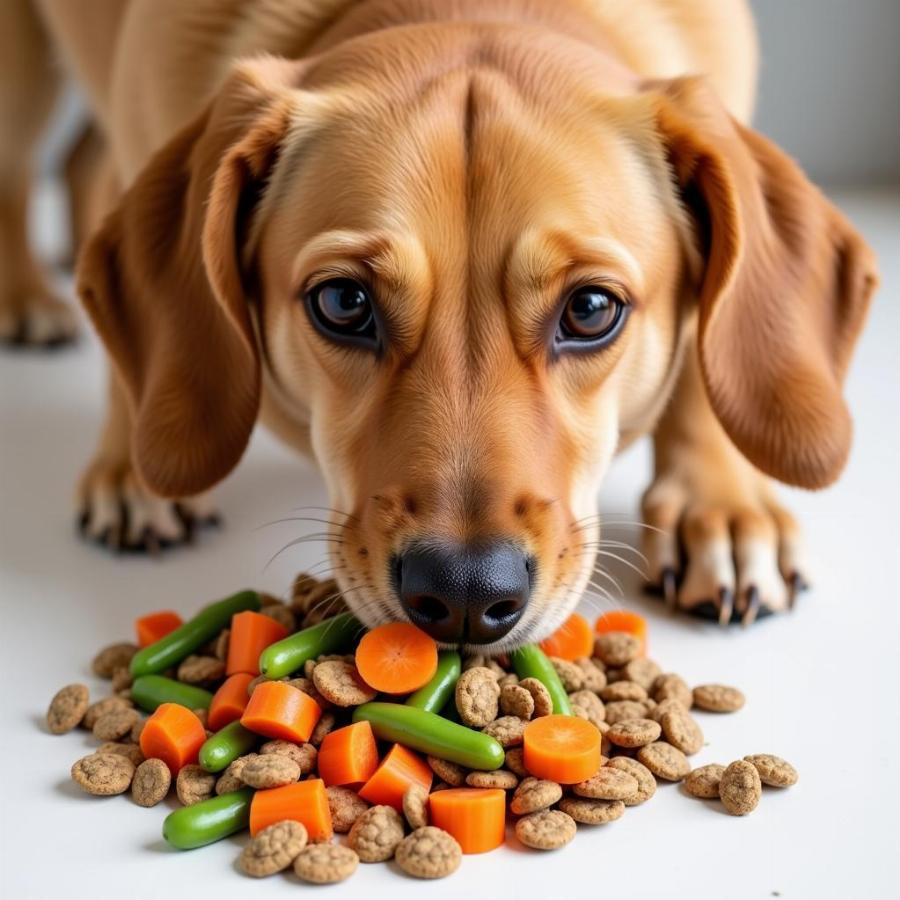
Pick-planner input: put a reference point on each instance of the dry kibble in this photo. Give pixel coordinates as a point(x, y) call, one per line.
point(633, 732)
point(346, 807)
point(543, 702)
point(664, 761)
point(282, 614)
point(230, 780)
point(499, 778)
point(681, 730)
point(622, 690)
point(587, 705)
point(608, 784)
point(199, 669)
point(273, 849)
point(415, 806)
point(665, 706)
point(740, 788)
point(104, 774)
point(477, 697)
point(376, 833)
point(704, 782)
point(325, 724)
point(101, 707)
point(304, 755)
point(773, 770)
point(301, 589)
point(508, 678)
point(67, 708)
point(132, 751)
point(594, 678)
point(121, 680)
point(641, 774)
point(717, 698)
point(269, 771)
point(641, 671)
point(571, 676)
point(534, 794)
point(151, 782)
point(115, 724)
point(548, 829)
point(508, 730)
point(616, 648)
point(451, 772)
point(135, 734)
point(516, 701)
point(220, 648)
point(339, 683)
point(428, 852)
point(325, 863)
point(515, 762)
point(194, 784)
point(672, 687)
point(622, 710)
point(115, 656)
point(592, 812)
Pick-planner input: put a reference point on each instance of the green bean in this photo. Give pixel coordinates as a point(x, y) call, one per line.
point(149, 691)
point(329, 636)
point(175, 646)
point(432, 734)
point(208, 821)
point(435, 694)
point(225, 746)
point(530, 662)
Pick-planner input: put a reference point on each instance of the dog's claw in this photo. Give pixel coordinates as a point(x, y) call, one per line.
point(796, 586)
point(753, 607)
point(669, 585)
point(726, 607)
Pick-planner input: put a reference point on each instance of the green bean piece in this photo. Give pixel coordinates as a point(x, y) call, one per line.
point(432, 734)
point(180, 643)
point(530, 662)
point(208, 821)
point(435, 694)
point(225, 746)
point(329, 636)
point(149, 691)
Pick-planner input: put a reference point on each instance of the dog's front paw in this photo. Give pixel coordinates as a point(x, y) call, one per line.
point(721, 546)
point(36, 318)
point(116, 512)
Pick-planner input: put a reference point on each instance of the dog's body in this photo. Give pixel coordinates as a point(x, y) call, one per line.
point(196, 140)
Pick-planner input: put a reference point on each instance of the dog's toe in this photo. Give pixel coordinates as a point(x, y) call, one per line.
point(39, 321)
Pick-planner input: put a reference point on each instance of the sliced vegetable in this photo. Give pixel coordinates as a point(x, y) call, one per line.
point(530, 662)
point(175, 646)
point(572, 640)
point(397, 658)
point(155, 626)
point(229, 701)
point(225, 746)
point(348, 756)
point(400, 769)
point(208, 821)
point(432, 734)
point(623, 620)
point(476, 817)
point(304, 801)
point(149, 691)
point(173, 734)
point(278, 710)
point(564, 749)
point(287, 656)
point(251, 633)
point(439, 690)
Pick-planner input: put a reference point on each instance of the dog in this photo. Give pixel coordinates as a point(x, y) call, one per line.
point(461, 252)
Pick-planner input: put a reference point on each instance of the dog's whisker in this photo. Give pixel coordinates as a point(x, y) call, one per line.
point(329, 509)
point(301, 519)
point(303, 540)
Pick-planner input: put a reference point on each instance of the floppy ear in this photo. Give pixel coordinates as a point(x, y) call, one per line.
point(162, 283)
point(785, 290)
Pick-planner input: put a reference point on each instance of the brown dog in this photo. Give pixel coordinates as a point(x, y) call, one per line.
point(462, 251)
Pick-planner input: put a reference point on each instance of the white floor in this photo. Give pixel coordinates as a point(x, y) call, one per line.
point(821, 683)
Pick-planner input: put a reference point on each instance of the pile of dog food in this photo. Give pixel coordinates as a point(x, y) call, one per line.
point(293, 721)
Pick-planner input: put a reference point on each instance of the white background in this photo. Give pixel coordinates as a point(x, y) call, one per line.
point(821, 683)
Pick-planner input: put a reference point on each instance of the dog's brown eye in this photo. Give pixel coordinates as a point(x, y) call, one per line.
point(591, 314)
point(343, 309)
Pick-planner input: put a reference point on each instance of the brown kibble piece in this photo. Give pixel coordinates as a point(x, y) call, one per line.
point(151, 783)
point(592, 812)
point(717, 698)
point(622, 710)
point(508, 730)
point(587, 705)
point(104, 774)
point(616, 648)
point(301, 589)
point(325, 863)
point(273, 849)
point(220, 648)
point(346, 807)
point(339, 683)
point(194, 784)
point(638, 771)
point(67, 708)
point(773, 770)
point(665, 706)
point(623, 690)
point(633, 732)
point(304, 755)
point(282, 614)
point(101, 707)
point(534, 794)
point(664, 761)
point(740, 788)
point(607, 784)
point(672, 687)
point(548, 829)
point(376, 833)
point(115, 724)
point(477, 697)
point(499, 778)
point(704, 782)
point(681, 730)
point(428, 852)
point(323, 727)
point(135, 734)
point(543, 702)
point(594, 677)
point(115, 656)
point(230, 779)
point(641, 671)
point(571, 676)
point(132, 751)
point(516, 701)
point(515, 761)
point(198, 669)
point(270, 771)
point(415, 806)
point(451, 772)
point(121, 680)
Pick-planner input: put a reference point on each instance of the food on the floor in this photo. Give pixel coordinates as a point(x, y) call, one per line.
point(396, 658)
point(155, 626)
point(573, 640)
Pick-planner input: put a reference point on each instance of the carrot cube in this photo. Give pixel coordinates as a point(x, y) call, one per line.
point(398, 770)
point(304, 801)
point(278, 710)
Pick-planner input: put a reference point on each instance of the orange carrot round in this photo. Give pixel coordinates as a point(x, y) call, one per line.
point(396, 658)
point(229, 701)
point(155, 626)
point(278, 710)
point(623, 620)
point(173, 734)
point(251, 633)
point(349, 755)
point(303, 801)
point(572, 640)
point(398, 770)
point(564, 749)
point(476, 817)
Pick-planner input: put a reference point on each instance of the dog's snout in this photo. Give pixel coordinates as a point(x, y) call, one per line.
point(464, 594)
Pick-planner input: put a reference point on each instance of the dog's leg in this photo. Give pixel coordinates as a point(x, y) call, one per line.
point(724, 546)
point(30, 313)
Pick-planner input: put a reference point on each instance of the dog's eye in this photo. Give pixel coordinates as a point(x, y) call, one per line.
point(592, 314)
point(342, 308)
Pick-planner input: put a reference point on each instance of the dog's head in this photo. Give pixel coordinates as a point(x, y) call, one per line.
point(467, 260)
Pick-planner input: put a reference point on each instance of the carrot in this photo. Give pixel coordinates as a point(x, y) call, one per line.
point(398, 770)
point(564, 749)
point(476, 817)
point(153, 626)
point(623, 620)
point(303, 801)
point(278, 710)
point(173, 734)
point(251, 633)
point(396, 658)
point(229, 701)
point(348, 756)
point(572, 640)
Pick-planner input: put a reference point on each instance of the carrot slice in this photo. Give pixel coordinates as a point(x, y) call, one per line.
point(348, 756)
point(173, 734)
point(251, 633)
point(155, 626)
point(278, 710)
point(229, 701)
point(476, 817)
point(572, 640)
point(564, 749)
point(623, 620)
point(398, 770)
point(303, 801)
point(396, 658)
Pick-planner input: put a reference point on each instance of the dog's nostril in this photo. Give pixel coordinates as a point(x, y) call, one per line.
point(499, 612)
point(430, 609)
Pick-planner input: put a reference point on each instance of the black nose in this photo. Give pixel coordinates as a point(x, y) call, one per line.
point(464, 594)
